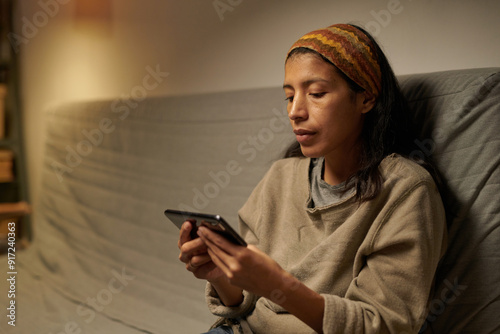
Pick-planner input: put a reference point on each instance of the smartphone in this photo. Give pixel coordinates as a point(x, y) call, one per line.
point(214, 222)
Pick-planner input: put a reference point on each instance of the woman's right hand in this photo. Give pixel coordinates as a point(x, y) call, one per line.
point(193, 252)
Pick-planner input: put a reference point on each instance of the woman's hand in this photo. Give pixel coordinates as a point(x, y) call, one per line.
point(252, 270)
point(245, 267)
point(193, 252)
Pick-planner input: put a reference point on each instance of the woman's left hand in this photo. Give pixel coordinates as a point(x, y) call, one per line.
point(245, 267)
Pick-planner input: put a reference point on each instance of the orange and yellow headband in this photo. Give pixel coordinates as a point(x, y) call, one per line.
point(350, 50)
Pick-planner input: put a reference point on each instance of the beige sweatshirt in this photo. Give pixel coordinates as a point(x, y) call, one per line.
point(373, 263)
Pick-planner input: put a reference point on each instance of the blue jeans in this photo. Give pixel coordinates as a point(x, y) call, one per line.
point(220, 330)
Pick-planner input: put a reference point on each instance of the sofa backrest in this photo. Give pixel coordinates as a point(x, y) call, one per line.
point(460, 116)
point(112, 168)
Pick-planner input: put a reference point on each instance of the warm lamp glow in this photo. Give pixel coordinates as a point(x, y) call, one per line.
point(94, 17)
point(99, 10)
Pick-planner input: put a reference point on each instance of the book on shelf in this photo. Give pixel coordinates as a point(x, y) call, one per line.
point(6, 172)
point(12, 213)
point(3, 94)
point(6, 165)
point(13, 210)
point(6, 154)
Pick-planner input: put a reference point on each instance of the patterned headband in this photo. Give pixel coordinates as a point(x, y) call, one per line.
point(350, 50)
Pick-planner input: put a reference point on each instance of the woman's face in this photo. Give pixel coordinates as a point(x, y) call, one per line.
point(326, 115)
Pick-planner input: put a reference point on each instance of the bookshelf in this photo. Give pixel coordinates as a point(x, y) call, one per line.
point(14, 201)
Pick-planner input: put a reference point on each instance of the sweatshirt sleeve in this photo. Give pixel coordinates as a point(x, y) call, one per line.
point(217, 308)
point(390, 290)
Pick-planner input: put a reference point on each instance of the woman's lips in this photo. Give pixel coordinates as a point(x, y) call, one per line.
point(304, 136)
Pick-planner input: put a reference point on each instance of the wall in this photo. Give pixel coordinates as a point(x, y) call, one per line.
point(213, 45)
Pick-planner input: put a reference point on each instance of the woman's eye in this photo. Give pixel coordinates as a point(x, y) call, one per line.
point(289, 99)
point(318, 94)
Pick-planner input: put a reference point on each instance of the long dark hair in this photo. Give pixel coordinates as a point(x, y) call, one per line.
point(387, 128)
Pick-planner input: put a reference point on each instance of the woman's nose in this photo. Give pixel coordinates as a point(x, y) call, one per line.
point(297, 109)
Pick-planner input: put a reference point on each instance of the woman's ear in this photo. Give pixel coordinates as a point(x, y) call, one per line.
point(366, 101)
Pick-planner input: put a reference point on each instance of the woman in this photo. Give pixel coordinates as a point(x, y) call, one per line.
point(344, 235)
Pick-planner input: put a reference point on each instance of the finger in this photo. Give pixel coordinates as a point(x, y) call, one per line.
point(225, 261)
point(201, 271)
point(221, 248)
point(184, 233)
point(192, 248)
point(221, 264)
point(218, 240)
point(199, 260)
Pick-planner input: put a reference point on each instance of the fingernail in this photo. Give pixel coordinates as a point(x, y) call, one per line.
point(201, 231)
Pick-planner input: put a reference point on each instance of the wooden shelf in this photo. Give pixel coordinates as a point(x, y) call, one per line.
point(13, 210)
point(13, 182)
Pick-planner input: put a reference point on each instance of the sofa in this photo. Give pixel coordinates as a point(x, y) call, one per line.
point(104, 259)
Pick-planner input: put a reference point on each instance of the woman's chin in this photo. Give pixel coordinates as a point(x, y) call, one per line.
point(310, 152)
